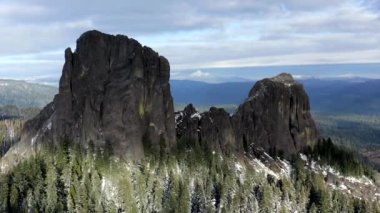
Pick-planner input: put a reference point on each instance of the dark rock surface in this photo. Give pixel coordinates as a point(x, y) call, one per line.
point(115, 93)
point(112, 91)
point(213, 128)
point(274, 117)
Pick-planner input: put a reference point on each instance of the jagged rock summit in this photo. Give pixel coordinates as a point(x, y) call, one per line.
point(113, 91)
point(275, 117)
point(285, 78)
point(115, 94)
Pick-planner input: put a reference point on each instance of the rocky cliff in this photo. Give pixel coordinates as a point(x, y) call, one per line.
point(113, 91)
point(215, 128)
point(275, 117)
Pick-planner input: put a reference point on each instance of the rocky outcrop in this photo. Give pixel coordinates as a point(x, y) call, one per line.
point(213, 128)
point(274, 117)
point(115, 91)
point(112, 91)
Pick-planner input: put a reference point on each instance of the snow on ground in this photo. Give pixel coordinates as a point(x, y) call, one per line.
point(238, 167)
point(109, 189)
point(268, 156)
point(356, 186)
point(286, 168)
point(362, 180)
point(303, 157)
point(178, 115)
point(262, 168)
point(328, 170)
point(196, 115)
point(343, 187)
point(178, 118)
point(240, 171)
point(33, 140)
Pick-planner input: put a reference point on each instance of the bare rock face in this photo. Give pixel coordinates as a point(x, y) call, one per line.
point(275, 117)
point(112, 91)
point(188, 123)
point(213, 128)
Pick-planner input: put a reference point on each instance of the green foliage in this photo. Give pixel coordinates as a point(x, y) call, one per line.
point(352, 129)
point(23, 94)
point(343, 160)
point(10, 132)
point(192, 179)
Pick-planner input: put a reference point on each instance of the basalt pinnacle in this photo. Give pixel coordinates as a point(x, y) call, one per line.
point(113, 93)
point(275, 117)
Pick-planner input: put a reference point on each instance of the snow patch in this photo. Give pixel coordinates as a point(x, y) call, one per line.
point(262, 168)
point(363, 180)
point(343, 187)
point(178, 115)
point(240, 171)
point(49, 125)
point(238, 166)
point(268, 156)
point(33, 140)
point(196, 115)
point(109, 189)
point(286, 168)
point(303, 157)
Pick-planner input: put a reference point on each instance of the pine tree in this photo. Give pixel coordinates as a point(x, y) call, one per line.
point(184, 197)
point(51, 200)
point(197, 199)
point(125, 191)
point(266, 203)
point(95, 197)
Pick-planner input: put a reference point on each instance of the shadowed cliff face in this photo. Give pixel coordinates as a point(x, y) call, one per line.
point(274, 117)
point(113, 92)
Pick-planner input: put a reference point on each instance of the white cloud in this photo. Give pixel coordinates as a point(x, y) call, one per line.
point(199, 74)
point(301, 77)
point(196, 35)
point(17, 9)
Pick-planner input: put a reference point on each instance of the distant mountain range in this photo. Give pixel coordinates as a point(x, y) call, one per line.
point(23, 94)
point(346, 95)
point(340, 95)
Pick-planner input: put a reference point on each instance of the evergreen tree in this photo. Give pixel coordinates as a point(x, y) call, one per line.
point(51, 199)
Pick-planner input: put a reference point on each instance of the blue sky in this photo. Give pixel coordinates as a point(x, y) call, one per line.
point(203, 39)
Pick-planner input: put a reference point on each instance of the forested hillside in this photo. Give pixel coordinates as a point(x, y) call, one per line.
point(191, 179)
point(24, 95)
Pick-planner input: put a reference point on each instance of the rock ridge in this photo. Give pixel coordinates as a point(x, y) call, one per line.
point(275, 116)
point(113, 91)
